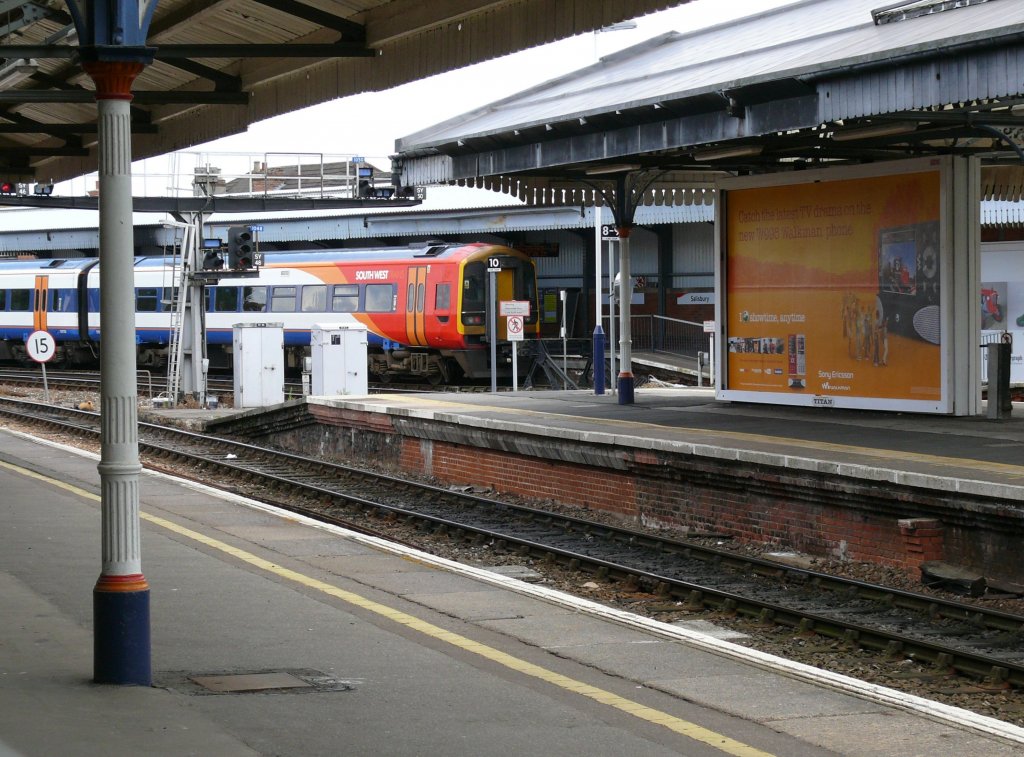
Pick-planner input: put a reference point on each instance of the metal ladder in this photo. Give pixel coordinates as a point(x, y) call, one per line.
point(179, 304)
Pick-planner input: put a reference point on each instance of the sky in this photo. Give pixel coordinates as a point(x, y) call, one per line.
point(368, 124)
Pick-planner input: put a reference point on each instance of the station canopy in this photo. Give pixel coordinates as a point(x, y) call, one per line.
point(812, 84)
point(223, 64)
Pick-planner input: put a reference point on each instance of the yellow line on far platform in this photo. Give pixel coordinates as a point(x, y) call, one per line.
point(714, 437)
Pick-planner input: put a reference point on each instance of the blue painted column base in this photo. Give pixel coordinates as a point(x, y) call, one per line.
point(121, 644)
point(625, 388)
point(598, 360)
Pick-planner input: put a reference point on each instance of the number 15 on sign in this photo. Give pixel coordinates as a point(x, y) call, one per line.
point(41, 346)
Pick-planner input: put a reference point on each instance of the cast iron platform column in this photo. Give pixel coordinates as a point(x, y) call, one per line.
point(121, 650)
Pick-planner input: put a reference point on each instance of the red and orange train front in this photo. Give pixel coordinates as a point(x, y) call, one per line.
point(429, 304)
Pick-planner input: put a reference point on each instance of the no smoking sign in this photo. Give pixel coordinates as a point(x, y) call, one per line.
point(514, 328)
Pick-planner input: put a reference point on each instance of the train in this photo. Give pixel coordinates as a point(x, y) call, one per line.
point(425, 306)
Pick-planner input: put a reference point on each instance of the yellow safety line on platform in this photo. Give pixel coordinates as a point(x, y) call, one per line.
point(1015, 471)
point(628, 706)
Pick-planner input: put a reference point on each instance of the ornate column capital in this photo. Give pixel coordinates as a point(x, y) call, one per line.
point(113, 78)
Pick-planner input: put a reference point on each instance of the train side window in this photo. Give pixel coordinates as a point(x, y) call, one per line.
point(21, 299)
point(380, 298)
point(3, 299)
point(314, 298)
point(282, 299)
point(254, 299)
point(93, 300)
point(442, 297)
point(420, 296)
point(345, 298)
point(225, 299)
point(410, 297)
point(63, 301)
point(147, 300)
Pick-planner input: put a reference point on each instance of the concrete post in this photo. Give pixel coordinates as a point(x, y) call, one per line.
point(598, 350)
point(1000, 403)
point(121, 595)
point(625, 332)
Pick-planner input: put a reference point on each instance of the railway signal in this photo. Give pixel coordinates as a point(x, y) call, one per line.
point(239, 248)
point(213, 258)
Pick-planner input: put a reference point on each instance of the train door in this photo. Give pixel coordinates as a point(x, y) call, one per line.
point(506, 285)
point(42, 290)
point(415, 299)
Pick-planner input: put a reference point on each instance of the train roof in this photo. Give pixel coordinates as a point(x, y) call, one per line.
point(420, 251)
point(46, 264)
point(425, 252)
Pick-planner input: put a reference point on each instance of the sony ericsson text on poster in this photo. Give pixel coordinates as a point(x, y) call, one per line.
point(795, 219)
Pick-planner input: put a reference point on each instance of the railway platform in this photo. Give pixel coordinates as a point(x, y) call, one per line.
point(889, 488)
point(274, 635)
point(968, 453)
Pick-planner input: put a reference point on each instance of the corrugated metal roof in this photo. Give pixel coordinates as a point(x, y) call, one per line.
point(449, 211)
point(807, 40)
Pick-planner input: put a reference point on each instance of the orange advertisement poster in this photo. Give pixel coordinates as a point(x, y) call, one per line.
point(832, 289)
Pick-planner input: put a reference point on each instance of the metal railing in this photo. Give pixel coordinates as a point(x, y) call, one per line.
point(659, 333)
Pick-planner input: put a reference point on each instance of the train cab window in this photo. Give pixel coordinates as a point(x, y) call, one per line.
point(380, 298)
point(345, 298)
point(314, 298)
point(62, 301)
point(254, 299)
point(225, 299)
point(474, 294)
point(282, 299)
point(442, 297)
point(147, 300)
point(21, 299)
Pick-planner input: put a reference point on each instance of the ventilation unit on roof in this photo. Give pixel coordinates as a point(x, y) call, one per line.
point(429, 248)
point(908, 9)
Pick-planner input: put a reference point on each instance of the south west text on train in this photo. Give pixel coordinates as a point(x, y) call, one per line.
point(424, 307)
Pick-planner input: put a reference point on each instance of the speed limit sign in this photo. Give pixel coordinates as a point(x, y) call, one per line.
point(41, 346)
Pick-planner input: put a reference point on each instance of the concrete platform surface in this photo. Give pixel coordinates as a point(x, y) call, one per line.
point(360, 648)
point(967, 454)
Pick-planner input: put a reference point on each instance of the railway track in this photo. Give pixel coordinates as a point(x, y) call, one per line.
point(983, 644)
point(152, 385)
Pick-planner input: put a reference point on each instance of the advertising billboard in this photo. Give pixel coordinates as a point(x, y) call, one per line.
point(832, 292)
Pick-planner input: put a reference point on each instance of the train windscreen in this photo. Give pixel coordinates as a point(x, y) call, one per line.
point(474, 294)
point(475, 286)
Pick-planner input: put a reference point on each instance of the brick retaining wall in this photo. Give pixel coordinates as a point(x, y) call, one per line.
point(816, 513)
